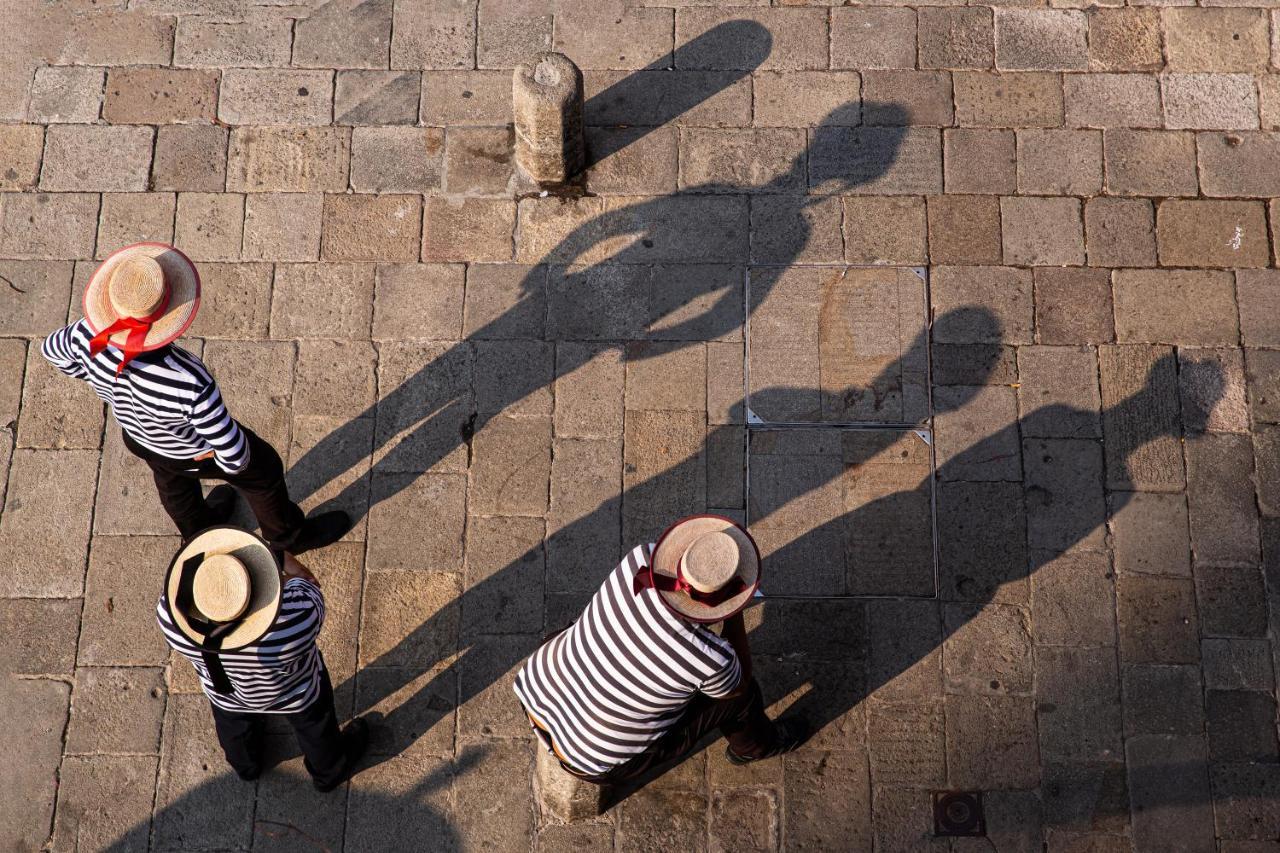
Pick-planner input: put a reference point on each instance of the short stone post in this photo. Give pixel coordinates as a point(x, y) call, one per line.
point(564, 797)
point(547, 100)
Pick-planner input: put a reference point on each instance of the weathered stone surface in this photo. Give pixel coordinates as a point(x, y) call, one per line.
point(22, 146)
point(120, 603)
point(829, 799)
point(1152, 307)
point(1157, 620)
point(396, 159)
point(398, 501)
point(511, 32)
point(467, 229)
point(1150, 162)
point(66, 94)
point(199, 802)
point(589, 395)
point(210, 226)
point(96, 158)
point(33, 742)
point(1140, 418)
point(1065, 504)
point(955, 37)
point(985, 99)
point(503, 576)
point(1241, 726)
point(902, 819)
point(423, 427)
point(650, 370)
point(562, 796)
point(806, 98)
point(1163, 700)
point(410, 618)
point(1073, 599)
point(632, 161)
point(1085, 798)
point(1059, 162)
point(1112, 100)
point(1041, 39)
point(1231, 601)
point(418, 301)
point(1169, 792)
point(1042, 231)
point(44, 635)
point(134, 218)
point(371, 227)
point(127, 500)
point(486, 674)
point(1245, 798)
point(334, 378)
point(1239, 164)
point(466, 97)
point(322, 301)
point(282, 227)
point(547, 108)
point(764, 160)
point(685, 98)
point(882, 230)
point(1237, 664)
point(1075, 724)
point(56, 413)
point(1126, 39)
point(1073, 306)
point(116, 710)
point(876, 160)
point(426, 34)
point(376, 97)
point(982, 542)
point(1212, 233)
point(256, 380)
point(979, 161)
point(987, 651)
point(1210, 101)
point(105, 802)
point(1058, 392)
point(505, 301)
point(511, 466)
point(44, 532)
point(190, 157)
point(873, 37)
point(603, 302)
point(798, 37)
point(160, 96)
point(991, 742)
point(1213, 390)
point(255, 41)
point(975, 441)
point(964, 229)
point(344, 35)
point(514, 377)
point(1120, 232)
point(1264, 395)
point(252, 96)
point(479, 161)
point(287, 159)
point(1216, 39)
point(584, 520)
point(1149, 532)
point(40, 225)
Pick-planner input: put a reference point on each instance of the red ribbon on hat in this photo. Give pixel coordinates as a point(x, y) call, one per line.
point(137, 327)
point(649, 579)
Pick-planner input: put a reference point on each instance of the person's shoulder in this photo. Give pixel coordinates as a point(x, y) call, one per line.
point(182, 366)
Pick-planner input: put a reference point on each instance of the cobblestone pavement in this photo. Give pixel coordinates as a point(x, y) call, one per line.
point(1024, 549)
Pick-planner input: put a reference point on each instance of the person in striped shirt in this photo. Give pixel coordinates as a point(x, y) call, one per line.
point(167, 403)
point(639, 678)
point(252, 641)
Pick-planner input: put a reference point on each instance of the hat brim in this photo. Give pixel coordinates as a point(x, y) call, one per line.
point(264, 580)
point(672, 545)
point(180, 277)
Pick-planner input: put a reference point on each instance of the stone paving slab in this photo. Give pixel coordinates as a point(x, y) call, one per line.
point(530, 385)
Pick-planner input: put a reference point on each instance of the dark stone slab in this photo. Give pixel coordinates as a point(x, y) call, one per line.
point(1078, 724)
point(1066, 508)
point(1246, 800)
point(1085, 797)
point(1224, 517)
point(973, 364)
point(1157, 620)
point(1141, 419)
point(1169, 793)
point(1162, 700)
point(1232, 602)
point(486, 672)
point(657, 819)
point(988, 649)
point(1238, 664)
point(1149, 533)
point(991, 742)
point(827, 801)
point(1262, 371)
point(982, 542)
point(1242, 726)
point(904, 649)
point(906, 743)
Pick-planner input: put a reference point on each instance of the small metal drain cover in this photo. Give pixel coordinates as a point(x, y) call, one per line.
point(958, 814)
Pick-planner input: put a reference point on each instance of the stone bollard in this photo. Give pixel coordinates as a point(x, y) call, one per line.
point(547, 101)
point(564, 797)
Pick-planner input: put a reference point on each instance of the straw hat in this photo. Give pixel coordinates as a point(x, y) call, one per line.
point(706, 568)
point(223, 588)
point(142, 297)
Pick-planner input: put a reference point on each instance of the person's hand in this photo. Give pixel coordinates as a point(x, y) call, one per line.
point(294, 569)
point(204, 456)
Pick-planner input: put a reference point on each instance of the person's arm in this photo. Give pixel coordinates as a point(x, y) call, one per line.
point(57, 350)
point(294, 569)
point(735, 632)
point(212, 422)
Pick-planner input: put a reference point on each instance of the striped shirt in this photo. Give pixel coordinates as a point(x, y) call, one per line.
point(165, 399)
point(620, 676)
point(279, 673)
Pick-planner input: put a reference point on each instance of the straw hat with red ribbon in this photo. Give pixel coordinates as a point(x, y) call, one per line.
point(143, 297)
point(705, 568)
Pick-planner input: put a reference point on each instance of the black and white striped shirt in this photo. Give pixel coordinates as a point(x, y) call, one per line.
point(165, 399)
point(621, 675)
point(278, 674)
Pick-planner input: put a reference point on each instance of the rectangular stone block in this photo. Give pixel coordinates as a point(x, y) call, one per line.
point(21, 146)
point(1164, 770)
point(256, 380)
point(418, 301)
point(987, 650)
point(397, 499)
point(104, 801)
point(33, 743)
point(963, 229)
point(1073, 599)
point(1162, 700)
point(120, 602)
point(667, 448)
point(510, 32)
point(651, 368)
point(1239, 164)
point(985, 99)
point(466, 97)
point(1042, 231)
point(742, 160)
point(503, 575)
point(1140, 418)
point(344, 35)
point(1073, 306)
point(1150, 162)
point(1058, 393)
point(1153, 307)
point(1212, 233)
point(429, 34)
point(344, 290)
point(57, 413)
point(282, 227)
point(1258, 292)
point(1149, 533)
point(514, 377)
point(329, 466)
point(975, 442)
point(127, 501)
point(1041, 39)
point(467, 229)
point(1125, 39)
point(128, 218)
point(270, 96)
point(696, 302)
point(906, 743)
point(160, 96)
point(371, 227)
point(589, 390)
point(1003, 296)
point(952, 37)
point(880, 230)
point(511, 467)
point(65, 94)
point(396, 159)
point(116, 710)
point(1216, 39)
point(1210, 101)
point(1245, 797)
point(1112, 100)
point(798, 39)
point(584, 519)
point(210, 226)
point(631, 160)
point(255, 41)
point(1231, 601)
point(190, 157)
point(1213, 390)
point(661, 96)
point(1059, 162)
point(284, 159)
point(613, 34)
point(44, 635)
point(1260, 366)
point(991, 742)
point(96, 158)
point(485, 678)
point(377, 97)
point(45, 527)
point(972, 364)
point(1224, 523)
point(876, 160)
point(1120, 232)
point(1065, 508)
point(235, 300)
point(905, 653)
point(1157, 620)
point(424, 426)
point(873, 37)
point(979, 161)
point(479, 160)
point(1074, 724)
point(806, 98)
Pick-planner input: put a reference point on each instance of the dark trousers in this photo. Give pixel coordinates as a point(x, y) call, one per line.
point(316, 727)
point(741, 719)
point(261, 483)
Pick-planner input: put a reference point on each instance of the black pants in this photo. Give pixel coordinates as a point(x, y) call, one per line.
point(741, 719)
point(261, 483)
point(316, 727)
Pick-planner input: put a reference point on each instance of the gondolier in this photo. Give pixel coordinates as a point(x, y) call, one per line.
point(251, 635)
point(138, 302)
point(640, 678)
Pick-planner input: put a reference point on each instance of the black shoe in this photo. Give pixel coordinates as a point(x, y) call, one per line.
point(321, 530)
point(355, 740)
point(249, 775)
point(221, 502)
point(788, 734)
